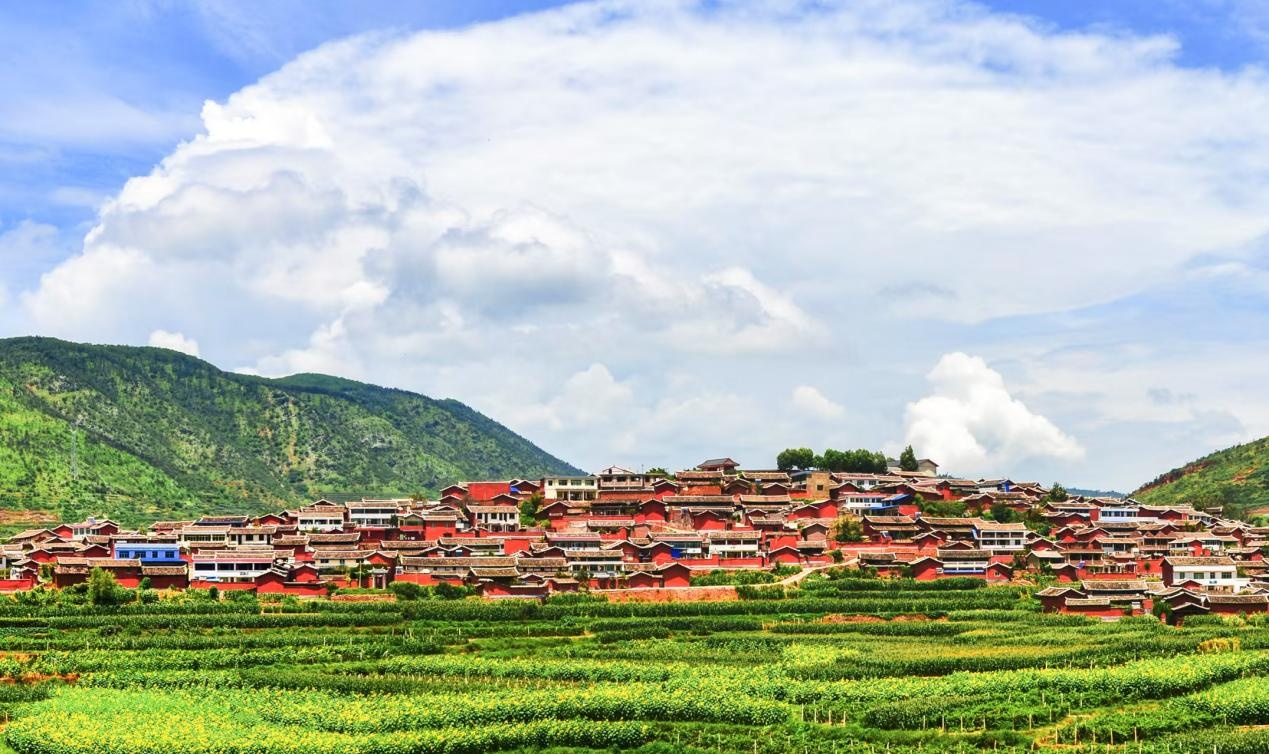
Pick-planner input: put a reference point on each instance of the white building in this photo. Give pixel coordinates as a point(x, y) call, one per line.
point(618, 478)
point(252, 536)
point(229, 566)
point(495, 517)
point(1213, 573)
point(863, 503)
point(320, 518)
point(373, 514)
point(204, 536)
point(1119, 513)
point(733, 544)
point(571, 488)
point(992, 535)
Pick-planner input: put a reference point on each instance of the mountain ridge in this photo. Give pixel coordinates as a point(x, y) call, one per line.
point(140, 433)
point(1235, 479)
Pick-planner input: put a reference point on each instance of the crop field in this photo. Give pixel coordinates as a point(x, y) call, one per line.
point(839, 665)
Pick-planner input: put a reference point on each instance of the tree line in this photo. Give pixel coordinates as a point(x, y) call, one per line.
point(860, 461)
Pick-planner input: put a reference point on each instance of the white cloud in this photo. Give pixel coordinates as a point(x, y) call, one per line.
point(812, 404)
point(587, 398)
point(722, 191)
point(27, 250)
point(970, 424)
point(175, 341)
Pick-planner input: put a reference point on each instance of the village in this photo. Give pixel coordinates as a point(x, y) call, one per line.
point(650, 536)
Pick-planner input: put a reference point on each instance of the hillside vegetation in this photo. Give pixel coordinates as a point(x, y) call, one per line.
point(1236, 479)
point(143, 433)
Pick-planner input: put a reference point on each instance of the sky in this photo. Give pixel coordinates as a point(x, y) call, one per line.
point(1027, 237)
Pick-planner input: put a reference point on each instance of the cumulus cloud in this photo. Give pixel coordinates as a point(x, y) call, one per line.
point(971, 424)
point(707, 189)
point(174, 341)
point(812, 404)
point(587, 398)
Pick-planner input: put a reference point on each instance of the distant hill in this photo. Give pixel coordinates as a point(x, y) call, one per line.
point(145, 433)
point(1094, 493)
point(1236, 479)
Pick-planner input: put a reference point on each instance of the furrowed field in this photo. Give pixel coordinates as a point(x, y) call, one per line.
point(839, 665)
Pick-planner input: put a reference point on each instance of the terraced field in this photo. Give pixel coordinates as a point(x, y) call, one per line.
point(838, 665)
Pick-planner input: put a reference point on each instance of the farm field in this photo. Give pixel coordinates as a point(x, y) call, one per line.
point(841, 664)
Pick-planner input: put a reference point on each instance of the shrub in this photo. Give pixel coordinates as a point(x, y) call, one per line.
point(407, 590)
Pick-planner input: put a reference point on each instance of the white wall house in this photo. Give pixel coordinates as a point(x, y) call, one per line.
point(1214, 573)
point(570, 488)
point(373, 514)
point(618, 478)
point(228, 566)
point(992, 535)
point(320, 519)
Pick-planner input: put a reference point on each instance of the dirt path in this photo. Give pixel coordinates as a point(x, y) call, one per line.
point(797, 577)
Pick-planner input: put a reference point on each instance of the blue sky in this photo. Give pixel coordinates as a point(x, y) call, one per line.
point(153, 64)
point(1045, 257)
point(165, 58)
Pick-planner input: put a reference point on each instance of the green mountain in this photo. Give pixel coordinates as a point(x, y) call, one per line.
point(145, 433)
point(1236, 479)
point(1087, 492)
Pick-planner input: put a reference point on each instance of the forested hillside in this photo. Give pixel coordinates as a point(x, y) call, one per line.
point(145, 433)
point(1236, 478)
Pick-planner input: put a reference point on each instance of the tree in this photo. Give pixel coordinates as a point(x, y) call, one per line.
point(908, 459)
point(847, 528)
point(102, 588)
point(529, 508)
point(357, 574)
point(1003, 513)
point(448, 591)
point(795, 458)
point(860, 461)
point(657, 471)
point(407, 590)
point(1058, 493)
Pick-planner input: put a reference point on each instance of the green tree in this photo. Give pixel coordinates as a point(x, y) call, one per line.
point(448, 591)
point(407, 590)
point(1003, 513)
point(908, 459)
point(857, 461)
point(102, 588)
point(795, 458)
point(529, 508)
point(1058, 493)
point(835, 460)
point(848, 528)
point(657, 471)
